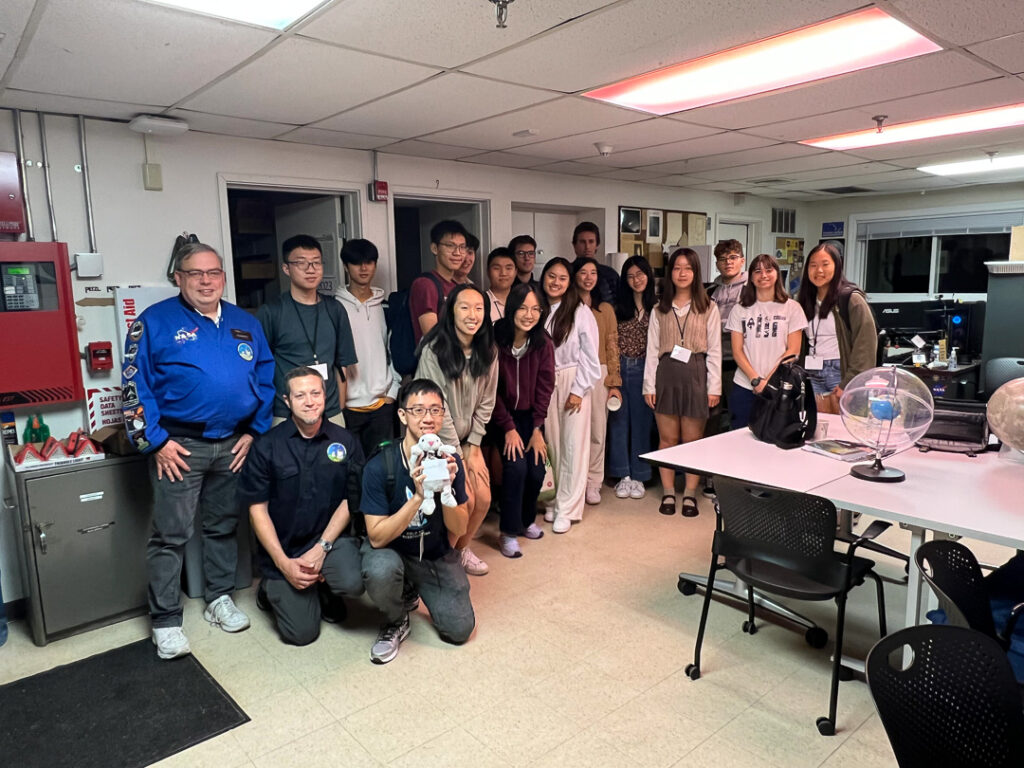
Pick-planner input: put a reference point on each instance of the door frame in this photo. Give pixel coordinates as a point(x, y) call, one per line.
point(755, 230)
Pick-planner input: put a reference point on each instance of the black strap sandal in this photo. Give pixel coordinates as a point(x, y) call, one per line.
point(689, 508)
point(668, 505)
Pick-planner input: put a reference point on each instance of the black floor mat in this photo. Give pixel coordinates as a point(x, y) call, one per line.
point(121, 708)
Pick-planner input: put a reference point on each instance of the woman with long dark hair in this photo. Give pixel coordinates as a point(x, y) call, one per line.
point(683, 370)
point(766, 327)
point(841, 338)
point(585, 279)
point(458, 355)
point(629, 428)
point(573, 330)
point(526, 379)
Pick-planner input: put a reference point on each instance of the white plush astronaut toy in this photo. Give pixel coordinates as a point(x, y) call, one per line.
point(433, 455)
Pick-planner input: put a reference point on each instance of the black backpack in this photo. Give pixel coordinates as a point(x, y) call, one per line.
point(785, 413)
point(402, 340)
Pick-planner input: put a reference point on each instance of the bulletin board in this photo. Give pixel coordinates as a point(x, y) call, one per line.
point(656, 232)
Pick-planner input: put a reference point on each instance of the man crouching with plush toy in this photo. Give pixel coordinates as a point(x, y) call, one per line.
point(407, 541)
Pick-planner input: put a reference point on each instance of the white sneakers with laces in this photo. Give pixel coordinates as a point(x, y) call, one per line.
point(223, 613)
point(472, 564)
point(623, 488)
point(170, 642)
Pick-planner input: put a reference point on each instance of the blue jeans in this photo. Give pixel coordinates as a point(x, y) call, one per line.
point(741, 403)
point(827, 379)
point(629, 428)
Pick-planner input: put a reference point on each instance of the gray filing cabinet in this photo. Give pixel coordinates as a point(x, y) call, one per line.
point(84, 533)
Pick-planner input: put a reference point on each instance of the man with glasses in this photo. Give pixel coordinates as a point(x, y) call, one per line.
point(403, 543)
point(306, 328)
point(197, 385)
point(524, 251)
point(448, 244)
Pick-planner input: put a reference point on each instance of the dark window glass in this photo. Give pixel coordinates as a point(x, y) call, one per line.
point(899, 265)
point(962, 261)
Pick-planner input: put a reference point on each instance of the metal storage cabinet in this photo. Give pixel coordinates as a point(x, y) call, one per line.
point(85, 529)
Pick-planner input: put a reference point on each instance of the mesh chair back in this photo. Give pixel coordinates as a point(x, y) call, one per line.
point(955, 703)
point(1000, 370)
point(790, 529)
point(952, 571)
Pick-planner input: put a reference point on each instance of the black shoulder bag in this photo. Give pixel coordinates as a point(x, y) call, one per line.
point(785, 413)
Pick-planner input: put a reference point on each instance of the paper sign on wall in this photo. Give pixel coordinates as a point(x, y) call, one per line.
point(104, 405)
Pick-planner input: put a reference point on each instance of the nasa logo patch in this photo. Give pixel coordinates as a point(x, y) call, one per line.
point(245, 351)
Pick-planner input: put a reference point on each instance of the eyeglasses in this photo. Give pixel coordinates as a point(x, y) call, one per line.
point(523, 254)
point(196, 274)
point(636, 276)
point(455, 247)
point(307, 266)
point(733, 257)
point(420, 411)
point(529, 310)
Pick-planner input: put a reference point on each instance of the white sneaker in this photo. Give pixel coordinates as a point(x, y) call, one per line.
point(549, 514)
point(223, 613)
point(170, 642)
point(472, 564)
point(637, 490)
point(593, 495)
point(561, 525)
point(623, 488)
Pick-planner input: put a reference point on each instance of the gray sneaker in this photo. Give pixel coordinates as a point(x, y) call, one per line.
point(223, 613)
point(388, 640)
point(170, 642)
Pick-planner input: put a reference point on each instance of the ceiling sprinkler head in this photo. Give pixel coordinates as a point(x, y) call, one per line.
point(603, 149)
point(501, 12)
point(879, 119)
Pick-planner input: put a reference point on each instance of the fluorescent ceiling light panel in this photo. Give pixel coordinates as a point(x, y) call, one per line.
point(1008, 163)
point(275, 14)
point(950, 125)
point(856, 41)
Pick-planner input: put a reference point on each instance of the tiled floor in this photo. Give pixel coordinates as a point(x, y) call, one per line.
point(577, 660)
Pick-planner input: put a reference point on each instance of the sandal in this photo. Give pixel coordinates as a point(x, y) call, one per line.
point(689, 508)
point(668, 505)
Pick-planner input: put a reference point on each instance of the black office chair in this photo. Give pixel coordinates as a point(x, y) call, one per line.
point(1000, 370)
point(953, 573)
point(783, 542)
point(954, 703)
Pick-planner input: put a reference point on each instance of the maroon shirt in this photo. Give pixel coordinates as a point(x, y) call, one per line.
point(524, 384)
point(423, 299)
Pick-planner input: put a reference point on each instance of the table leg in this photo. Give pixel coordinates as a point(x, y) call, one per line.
point(913, 613)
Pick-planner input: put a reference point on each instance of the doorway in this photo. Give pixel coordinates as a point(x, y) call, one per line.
point(414, 216)
point(731, 230)
point(260, 220)
point(552, 227)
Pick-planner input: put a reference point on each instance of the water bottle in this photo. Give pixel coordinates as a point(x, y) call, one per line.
point(952, 358)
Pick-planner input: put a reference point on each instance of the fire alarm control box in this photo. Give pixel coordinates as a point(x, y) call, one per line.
point(39, 358)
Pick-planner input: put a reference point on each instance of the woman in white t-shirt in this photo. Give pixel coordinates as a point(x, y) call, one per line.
point(766, 326)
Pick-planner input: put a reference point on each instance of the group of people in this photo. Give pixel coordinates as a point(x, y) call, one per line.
point(299, 416)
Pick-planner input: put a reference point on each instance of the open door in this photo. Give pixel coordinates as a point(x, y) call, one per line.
point(324, 219)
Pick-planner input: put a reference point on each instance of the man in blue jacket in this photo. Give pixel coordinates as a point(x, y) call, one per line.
point(198, 385)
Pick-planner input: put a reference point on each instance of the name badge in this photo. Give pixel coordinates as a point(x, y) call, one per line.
point(682, 354)
point(814, 363)
point(320, 368)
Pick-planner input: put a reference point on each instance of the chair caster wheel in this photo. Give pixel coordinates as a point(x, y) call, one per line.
point(750, 627)
point(826, 727)
point(687, 587)
point(692, 671)
point(845, 674)
point(816, 637)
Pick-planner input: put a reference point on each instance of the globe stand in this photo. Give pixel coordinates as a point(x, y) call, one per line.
point(876, 473)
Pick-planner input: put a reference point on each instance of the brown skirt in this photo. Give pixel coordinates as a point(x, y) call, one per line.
point(681, 389)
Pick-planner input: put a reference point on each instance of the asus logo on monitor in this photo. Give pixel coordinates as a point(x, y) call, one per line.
point(891, 311)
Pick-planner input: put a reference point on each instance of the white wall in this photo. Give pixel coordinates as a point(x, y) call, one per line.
point(135, 228)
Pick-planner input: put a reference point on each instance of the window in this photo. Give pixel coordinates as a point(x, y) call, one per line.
point(899, 265)
point(962, 261)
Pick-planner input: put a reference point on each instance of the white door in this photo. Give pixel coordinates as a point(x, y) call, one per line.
point(323, 219)
point(728, 230)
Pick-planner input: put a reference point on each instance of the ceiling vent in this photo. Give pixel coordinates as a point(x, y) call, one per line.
point(845, 190)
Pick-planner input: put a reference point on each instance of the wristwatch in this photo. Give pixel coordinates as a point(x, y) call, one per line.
point(755, 382)
point(327, 545)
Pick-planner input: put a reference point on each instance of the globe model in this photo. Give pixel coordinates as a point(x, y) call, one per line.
point(886, 408)
point(1006, 413)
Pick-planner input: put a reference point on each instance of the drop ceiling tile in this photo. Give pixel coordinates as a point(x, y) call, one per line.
point(13, 17)
point(630, 38)
point(230, 126)
point(945, 69)
point(677, 150)
point(859, 169)
point(551, 120)
point(341, 139)
point(816, 126)
point(914, 185)
point(722, 186)
point(628, 174)
point(278, 86)
point(567, 166)
point(709, 163)
point(758, 170)
point(129, 51)
point(963, 23)
point(1007, 148)
point(506, 159)
point(1005, 52)
point(679, 180)
point(69, 105)
point(443, 34)
point(429, 149)
point(622, 138)
point(433, 105)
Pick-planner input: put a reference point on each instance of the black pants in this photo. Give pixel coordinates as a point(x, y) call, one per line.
point(521, 481)
point(371, 428)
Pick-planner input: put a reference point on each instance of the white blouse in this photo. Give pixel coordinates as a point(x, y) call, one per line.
point(579, 349)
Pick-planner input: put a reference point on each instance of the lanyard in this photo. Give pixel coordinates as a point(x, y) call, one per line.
point(682, 328)
point(814, 331)
point(316, 326)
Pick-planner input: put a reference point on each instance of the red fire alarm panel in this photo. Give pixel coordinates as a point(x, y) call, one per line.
point(100, 356)
point(378, 191)
point(39, 358)
point(12, 206)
